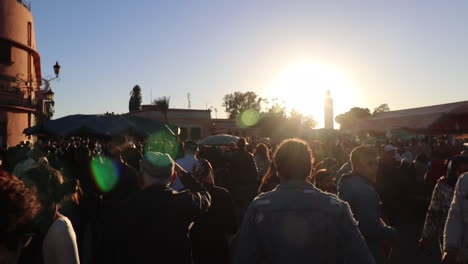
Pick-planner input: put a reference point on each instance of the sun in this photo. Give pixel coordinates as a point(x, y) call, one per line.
point(302, 86)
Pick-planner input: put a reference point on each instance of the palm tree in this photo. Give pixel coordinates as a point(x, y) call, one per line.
point(162, 104)
point(134, 104)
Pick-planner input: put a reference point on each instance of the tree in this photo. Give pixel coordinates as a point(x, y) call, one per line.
point(237, 102)
point(162, 104)
point(381, 108)
point(134, 104)
point(353, 115)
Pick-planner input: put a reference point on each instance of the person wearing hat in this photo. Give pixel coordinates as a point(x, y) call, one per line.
point(154, 223)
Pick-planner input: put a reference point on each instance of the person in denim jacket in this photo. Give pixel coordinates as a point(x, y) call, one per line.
point(357, 189)
point(298, 223)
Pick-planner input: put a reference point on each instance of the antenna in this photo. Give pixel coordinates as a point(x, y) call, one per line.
point(189, 99)
point(151, 95)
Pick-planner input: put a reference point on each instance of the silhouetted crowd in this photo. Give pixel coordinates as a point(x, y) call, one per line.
point(114, 200)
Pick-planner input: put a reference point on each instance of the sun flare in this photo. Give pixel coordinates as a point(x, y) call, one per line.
point(302, 86)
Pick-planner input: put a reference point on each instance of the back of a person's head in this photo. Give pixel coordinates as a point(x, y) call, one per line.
point(18, 206)
point(190, 147)
point(293, 159)
point(241, 143)
point(328, 164)
point(262, 150)
point(132, 157)
point(360, 155)
point(50, 184)
point(158, 166)
point(320, 175)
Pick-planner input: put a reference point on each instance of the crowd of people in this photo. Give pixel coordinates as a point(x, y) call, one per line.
point(87, 200)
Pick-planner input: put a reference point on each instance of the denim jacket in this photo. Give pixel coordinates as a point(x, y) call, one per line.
point(365, 204)
point(298, 223)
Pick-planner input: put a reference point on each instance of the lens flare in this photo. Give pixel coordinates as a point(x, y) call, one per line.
point(248, 118)
point(105, 173)
point(164, 142)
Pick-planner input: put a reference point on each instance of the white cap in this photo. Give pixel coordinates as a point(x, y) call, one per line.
point(158, 165)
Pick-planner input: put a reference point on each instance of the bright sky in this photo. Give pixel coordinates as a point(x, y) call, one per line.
point(403, 53)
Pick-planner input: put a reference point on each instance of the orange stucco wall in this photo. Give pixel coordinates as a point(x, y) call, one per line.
point(25, 63)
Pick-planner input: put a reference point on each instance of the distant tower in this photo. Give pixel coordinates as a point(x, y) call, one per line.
point(329, 123)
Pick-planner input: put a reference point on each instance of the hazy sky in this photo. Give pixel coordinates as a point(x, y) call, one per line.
point(403, 53)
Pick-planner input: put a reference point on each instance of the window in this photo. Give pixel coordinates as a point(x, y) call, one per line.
point(183, 133)
point(195, 133)
point(29, 34)
point(5, 52)
point(2, 133)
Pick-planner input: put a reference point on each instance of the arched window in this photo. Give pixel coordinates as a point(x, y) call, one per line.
point(29, 34)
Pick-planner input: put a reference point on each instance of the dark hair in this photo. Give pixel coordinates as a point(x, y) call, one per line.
point(452, 166)
point(361, 154)
point(269, 180)
point(190, 146)
point(327, 163)
point(293, 159)
point(320, 175)
point(18, 205)
point(50, 184)
point(241, 143)
point(262, 150)
point(132, 157)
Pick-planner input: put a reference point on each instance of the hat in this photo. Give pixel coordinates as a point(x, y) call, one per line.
point(389, 148)
point(157, 164)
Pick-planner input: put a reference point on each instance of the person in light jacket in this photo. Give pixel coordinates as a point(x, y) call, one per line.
point(456, 233)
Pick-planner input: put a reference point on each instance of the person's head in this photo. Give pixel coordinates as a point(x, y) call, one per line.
point(50, 186)
point(241, 143)
point(323, 180)
point(293, 160)
point(262, 151)
point(389, 152)
point(329, 164)
point(132, 157)
point(18, 206)
point(190, 147)
point(232, 145)
point(364, 162)
point(157, 168)
point(456, 167)
point(203, 172)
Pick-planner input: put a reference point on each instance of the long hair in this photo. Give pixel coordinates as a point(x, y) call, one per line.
point(263, 151)
point(269, 180)
point(51, 186)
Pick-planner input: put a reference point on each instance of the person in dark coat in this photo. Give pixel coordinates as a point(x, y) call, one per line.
point(209, 235)
point(153, 225)
point(243, 177)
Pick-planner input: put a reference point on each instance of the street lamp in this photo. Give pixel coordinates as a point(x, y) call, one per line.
point(56, 69)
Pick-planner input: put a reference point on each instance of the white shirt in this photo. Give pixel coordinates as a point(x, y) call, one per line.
point(187, 163)
point(60, 243)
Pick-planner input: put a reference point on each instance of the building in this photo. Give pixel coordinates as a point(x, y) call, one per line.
point(20, 72)
point(196, 124)
point(329, 122)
